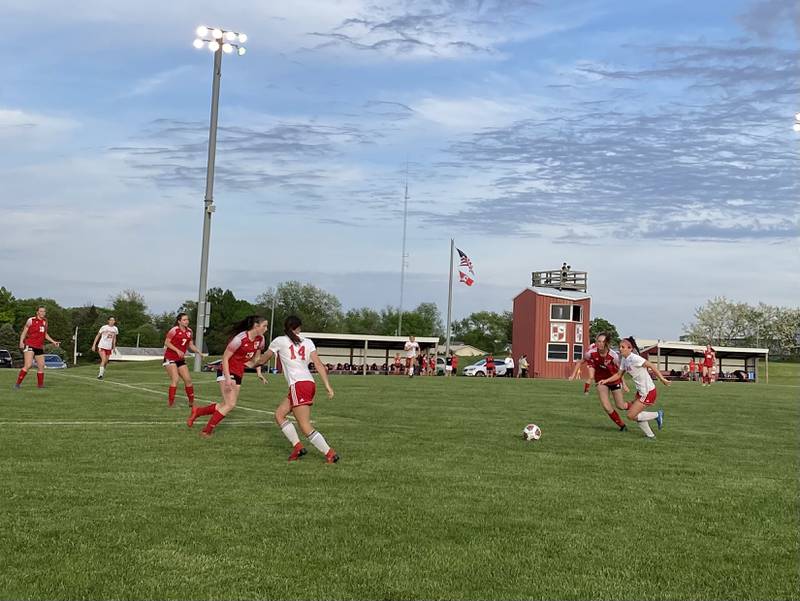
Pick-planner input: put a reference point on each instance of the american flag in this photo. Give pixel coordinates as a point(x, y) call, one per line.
point(466, 264)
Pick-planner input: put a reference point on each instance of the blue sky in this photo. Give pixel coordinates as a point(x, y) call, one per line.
point(648, 143)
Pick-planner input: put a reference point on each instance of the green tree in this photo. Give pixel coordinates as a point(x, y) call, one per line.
point(163, 322)
point(130, 309)
point(8, 307)
point(9, 340)
point(88, 320)
point(362, 321)
point(486, 330)
point(423, 321)
point(226, 310)
point(721, 322)
point(319, 310)
point(597, 325)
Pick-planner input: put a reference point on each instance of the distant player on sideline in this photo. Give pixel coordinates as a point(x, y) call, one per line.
point(31, 341)
point(295, 354)
point(709, 359)
point(107, 337)
point(178, 339)
point(603, 363)
point(412, 350)
point(244, 347)
point(645, 388)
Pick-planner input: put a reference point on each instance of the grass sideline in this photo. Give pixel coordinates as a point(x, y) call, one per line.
point(107, 495)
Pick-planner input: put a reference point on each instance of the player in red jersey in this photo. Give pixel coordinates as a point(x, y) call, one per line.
point(244, 347)
point(295, 354)
point(490, 369)
point(603, 363)
point(587, 381)
point(31, 341)
point(178, 339)
point(709, 359)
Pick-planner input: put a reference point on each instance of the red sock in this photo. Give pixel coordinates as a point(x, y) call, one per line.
point(212, 423)
point(586, 387)
point(207, 410)
point(616, 418)
point(171, 397)
point(40, 378)
point(21, 376)
point(190, 394)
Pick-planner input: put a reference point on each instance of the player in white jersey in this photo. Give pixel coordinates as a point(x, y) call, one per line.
point(295, 353)
point(107, 337)
point(645, 388)
point(411, 349)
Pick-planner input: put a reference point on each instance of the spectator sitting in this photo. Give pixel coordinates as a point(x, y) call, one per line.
point(339, 367)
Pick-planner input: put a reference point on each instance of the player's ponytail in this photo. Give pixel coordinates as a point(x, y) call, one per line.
point(633, 344)
point(290, 324)
point(245, 325)
point(179, 317)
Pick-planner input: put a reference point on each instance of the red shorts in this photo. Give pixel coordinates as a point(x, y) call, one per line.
point(302, 393)
point(649, 399)
point(708, 365)
point(105, 351)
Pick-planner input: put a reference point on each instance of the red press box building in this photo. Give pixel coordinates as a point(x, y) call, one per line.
point(551, 323)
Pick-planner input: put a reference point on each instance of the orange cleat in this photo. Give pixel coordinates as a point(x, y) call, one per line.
point(192, 417)
point(297, 452)
point(331, 456)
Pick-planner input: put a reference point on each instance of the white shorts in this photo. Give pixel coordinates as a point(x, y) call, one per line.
point(448, 368)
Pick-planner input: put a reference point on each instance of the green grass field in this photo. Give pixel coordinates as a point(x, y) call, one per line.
point(105, 494)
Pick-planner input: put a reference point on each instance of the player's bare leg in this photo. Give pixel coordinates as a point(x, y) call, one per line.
point(637, 413)
point(602, 392)
point(288, 429)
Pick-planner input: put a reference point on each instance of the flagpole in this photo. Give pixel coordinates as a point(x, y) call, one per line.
point(403, 264)
point(449, 301)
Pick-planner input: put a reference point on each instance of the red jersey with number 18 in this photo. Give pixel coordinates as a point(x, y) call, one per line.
point(37, 329)
point(180, 339)
point(243, 350)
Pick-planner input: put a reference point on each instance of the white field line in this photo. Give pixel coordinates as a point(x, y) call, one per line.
point(158, 392)
point(112, 423)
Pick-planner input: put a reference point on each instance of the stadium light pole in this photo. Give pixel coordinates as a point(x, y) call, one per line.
point(219, 41)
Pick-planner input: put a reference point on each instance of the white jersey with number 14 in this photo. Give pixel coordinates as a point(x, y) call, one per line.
point(294, 358)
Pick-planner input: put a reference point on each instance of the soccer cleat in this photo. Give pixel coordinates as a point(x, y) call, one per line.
point(204, 434)
point(192, 417)
point(331, 457)
point(170, 403)
point(297, 452)
point(660, 419)
point(650, 438)
point(99, 377)
point(17, 386)
point(623, 427)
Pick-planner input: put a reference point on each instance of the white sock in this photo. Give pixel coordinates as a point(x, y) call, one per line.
point(645, 427)
point(102, 371)
point(289, 432)
point(318, 440)
point(646, 416)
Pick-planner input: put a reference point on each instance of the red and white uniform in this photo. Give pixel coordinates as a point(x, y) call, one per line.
point(243, 350)
point(708, 358)
point(108, 336)
point(294, 363)
point(411, 349)
point(604, 366)
point(645, 388)
point(37, 330)
point(179, 338)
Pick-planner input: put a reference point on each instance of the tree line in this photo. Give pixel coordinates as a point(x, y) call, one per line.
point(722, 322)
point(320, 311)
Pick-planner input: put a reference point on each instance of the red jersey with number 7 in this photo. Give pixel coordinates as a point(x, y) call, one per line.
point(37, 329)
point(243, 350)
point(180, 339)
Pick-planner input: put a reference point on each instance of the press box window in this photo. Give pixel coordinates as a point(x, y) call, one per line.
point(557, 352)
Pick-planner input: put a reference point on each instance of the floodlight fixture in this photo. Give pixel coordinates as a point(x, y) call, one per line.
point(201, 31)
point(213, 46)
point(230, 36)
point(241, 50)
point(216, 34)
point(198, 43)
point(796, 126)
point(227, 48)
point(242, 37)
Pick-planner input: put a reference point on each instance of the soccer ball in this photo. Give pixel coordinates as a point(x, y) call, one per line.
point(531, 432)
